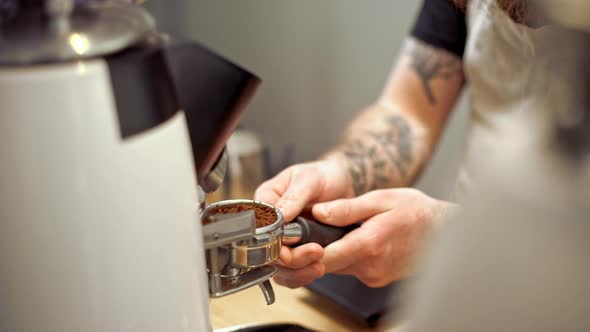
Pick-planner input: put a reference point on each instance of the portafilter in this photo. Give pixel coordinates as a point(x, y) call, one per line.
point(245, 236)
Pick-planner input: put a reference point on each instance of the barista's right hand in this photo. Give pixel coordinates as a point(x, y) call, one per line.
point(303, 185)
point(295, 189)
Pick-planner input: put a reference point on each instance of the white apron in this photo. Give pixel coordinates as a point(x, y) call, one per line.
point(517, 259)
point(514, 100)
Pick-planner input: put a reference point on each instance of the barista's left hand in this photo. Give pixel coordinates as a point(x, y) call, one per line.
point(379, 252)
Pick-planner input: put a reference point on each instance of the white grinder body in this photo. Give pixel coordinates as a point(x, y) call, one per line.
point(97, 232)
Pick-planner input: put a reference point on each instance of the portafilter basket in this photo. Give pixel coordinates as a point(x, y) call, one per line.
point(264, 246)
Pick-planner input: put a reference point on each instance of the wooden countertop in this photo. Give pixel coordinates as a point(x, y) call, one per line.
point(296, 306)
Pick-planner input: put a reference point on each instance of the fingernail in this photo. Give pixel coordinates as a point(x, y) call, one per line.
point(281, 206)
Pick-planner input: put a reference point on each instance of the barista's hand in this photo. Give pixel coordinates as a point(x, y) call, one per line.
point(299, 187)
point(381, 251)
point(303, 185)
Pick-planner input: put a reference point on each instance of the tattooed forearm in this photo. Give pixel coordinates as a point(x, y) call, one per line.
point(432, 64)
point(357, 166)
point(388, 143)
point(380, 158)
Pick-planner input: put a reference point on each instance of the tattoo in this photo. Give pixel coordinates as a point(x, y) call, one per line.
point(356, 166)
point(430, 64)
point(377, 159)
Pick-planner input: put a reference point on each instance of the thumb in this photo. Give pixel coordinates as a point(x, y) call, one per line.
point(344, 212)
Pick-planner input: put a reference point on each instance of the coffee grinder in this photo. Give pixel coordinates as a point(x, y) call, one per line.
point(111, 133)
point(104, 122)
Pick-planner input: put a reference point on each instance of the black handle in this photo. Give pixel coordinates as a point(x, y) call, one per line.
point(320, 233)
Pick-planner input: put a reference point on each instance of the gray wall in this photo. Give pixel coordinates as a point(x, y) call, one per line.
point(320, 61)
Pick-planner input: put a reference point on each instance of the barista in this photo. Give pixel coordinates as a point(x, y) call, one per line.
point(382, 151)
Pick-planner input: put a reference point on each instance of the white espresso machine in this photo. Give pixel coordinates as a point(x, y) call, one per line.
point(108, 130)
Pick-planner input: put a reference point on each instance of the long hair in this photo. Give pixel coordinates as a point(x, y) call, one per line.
point(514, 8)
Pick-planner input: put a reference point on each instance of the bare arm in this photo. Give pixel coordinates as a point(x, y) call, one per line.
point(387, 144)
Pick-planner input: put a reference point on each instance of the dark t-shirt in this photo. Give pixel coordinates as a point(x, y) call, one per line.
point(441, 24)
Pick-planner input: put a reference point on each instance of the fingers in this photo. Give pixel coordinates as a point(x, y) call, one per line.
point(300, 266)
point(298, 278)
point(304, 187)
point(343, 212)
point(292, 190)
point(271, 190)
point(300, 257)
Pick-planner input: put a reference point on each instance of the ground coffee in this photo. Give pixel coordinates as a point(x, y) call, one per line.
point(264, 215)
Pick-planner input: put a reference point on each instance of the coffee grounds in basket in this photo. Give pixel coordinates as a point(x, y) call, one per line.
point(264, 215)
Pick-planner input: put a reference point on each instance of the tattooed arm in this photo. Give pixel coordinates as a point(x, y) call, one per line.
point(385, 146)
point(388, 144)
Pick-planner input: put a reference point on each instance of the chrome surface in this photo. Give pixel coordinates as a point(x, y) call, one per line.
point(90, 29)
point(201, 198)
point(268, 291)
point(263, 247)
point(214, 179)
point(59, 12)
point(229, 285)
point(239, 254)
point(249, 255)
point(224, 229)
point(291, 234)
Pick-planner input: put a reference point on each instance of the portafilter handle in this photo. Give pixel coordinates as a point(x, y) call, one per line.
point(302, 230)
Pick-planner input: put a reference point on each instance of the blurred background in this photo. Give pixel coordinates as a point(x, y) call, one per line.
point(320, 62)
